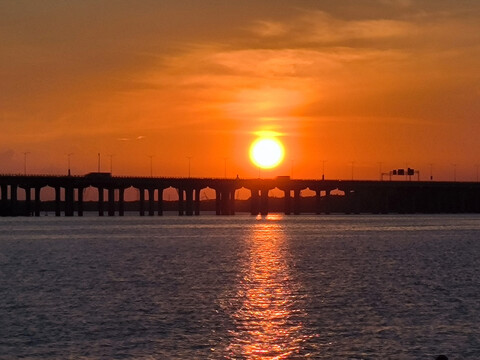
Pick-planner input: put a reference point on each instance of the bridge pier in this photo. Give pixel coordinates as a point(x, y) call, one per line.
point(28, 201)
point(151, 201)
point(232, 201)
point(4, 203)
point(141, 201)
point(69, 201)
point(160, 202)
point(180, 202)
point(197, 201)
point(189, 202)
point(296, 201)
point(80, 200)
point(287, 202)
point(225, 194)
point(100, 201)
point(111, 201)
point(38, 203)
point(58, 200)
point(264, 202)
point(121, 201)
point(318, 201)
point(254, 202)
point(326, 202)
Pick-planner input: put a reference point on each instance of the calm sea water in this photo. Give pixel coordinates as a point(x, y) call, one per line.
point(319, 287)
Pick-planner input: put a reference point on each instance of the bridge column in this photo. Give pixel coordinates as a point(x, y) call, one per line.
point(232, 202)
point(197, 201)
point(69, 200)
point(151, 201)
point(318, 202)
point(180, 202)
point(142, 201)
point(326, 202)
point(13, 200)
point(111, 201)
point(28, 201)
point(57, 200)
point(218, 202)
point(264, 201)
point(160, 202)
point(80, 201)
point(121, 202)
point(4, 208)
point(189, 202)
point(254, 202)
point(287, 202)
point(38, 202)
point(296, 202)
point(100, 201)
point(225, 210)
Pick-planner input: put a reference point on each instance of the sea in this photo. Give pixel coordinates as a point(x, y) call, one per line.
point(240, 287)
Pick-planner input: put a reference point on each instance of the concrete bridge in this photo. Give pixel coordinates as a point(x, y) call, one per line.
point(357, 196)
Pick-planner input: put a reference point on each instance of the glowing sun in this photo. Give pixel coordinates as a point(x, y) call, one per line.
point(267, 152)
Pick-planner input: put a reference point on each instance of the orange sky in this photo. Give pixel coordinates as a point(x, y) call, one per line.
point(382, 83)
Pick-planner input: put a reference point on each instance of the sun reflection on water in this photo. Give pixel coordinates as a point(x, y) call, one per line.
point(269, 319)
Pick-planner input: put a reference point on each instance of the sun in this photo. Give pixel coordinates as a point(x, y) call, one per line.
point(267, 152)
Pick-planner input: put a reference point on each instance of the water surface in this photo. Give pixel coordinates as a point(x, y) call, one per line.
point(320, 287)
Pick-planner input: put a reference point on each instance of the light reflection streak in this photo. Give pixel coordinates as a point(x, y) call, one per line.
point(269, 320)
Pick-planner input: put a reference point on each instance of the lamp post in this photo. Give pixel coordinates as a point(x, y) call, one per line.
point(353, 163)
point(111, 163)
point(68, 160)
point(323, 169)
point(98, 162)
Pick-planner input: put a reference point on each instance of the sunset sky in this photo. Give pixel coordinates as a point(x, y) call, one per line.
point(381, 83)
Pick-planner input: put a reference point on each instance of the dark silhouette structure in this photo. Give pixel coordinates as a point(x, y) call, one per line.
point(357, 196)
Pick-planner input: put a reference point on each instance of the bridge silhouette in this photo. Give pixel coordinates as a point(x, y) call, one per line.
point(358, 196)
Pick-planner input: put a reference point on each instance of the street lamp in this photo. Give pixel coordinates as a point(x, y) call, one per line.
point(111, 163)
point(323, 169)
point(353, 163)
point(68, 160)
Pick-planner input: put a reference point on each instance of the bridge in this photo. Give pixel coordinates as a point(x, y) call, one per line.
point(357, 196)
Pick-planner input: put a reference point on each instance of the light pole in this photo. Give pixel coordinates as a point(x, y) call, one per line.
point(25, 162)
point(189, 163)
point(431, 172)
point(323, 169)
point(353, 163)
point(380, 169)
point(68, 160)
point(98, 162)
point(111, 163)
point(476, 167)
